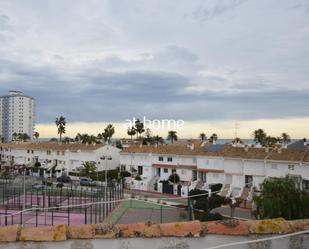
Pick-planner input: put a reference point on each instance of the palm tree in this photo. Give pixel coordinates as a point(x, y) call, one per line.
point(139, 128)
point(158, 140)
point(202, 136)
point(285, 138)
point(60, 123)
point(213, 138)
point(259, 136)
point(89, 168)
point(172, 136)
point(131, 132)
point(36, 136)
point(109, 132)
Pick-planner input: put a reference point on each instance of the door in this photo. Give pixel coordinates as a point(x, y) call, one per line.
point(159, 172)
point(248, 180)
point(228, 179)
point(140, 170)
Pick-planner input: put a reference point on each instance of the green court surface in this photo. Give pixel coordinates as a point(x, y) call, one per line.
point(135, 204)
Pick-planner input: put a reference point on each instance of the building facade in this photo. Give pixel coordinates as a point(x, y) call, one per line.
point(17, 115)
point(199, 165)
point(61, 157)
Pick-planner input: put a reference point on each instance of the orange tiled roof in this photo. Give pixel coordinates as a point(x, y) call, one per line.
point(51, 146)
point(182, 148)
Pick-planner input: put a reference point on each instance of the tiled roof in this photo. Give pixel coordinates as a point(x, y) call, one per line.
point(174, 166)
point(51, 146)
point(183, 148)
point(177, 148)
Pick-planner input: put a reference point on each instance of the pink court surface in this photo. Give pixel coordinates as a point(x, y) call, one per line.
point(10, 211)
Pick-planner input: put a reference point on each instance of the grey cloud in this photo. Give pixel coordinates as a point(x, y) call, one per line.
point(111, 60)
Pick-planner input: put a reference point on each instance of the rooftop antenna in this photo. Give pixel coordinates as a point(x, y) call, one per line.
point(236, 129)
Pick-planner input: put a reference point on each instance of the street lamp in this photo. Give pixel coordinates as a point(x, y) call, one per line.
point(105, 158)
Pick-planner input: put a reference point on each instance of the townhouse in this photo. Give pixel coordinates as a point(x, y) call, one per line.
point(59, 157)
point(199, 164)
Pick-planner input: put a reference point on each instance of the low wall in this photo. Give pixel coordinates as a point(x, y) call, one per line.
point(180, 235)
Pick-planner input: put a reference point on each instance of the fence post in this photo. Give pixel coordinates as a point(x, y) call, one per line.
point(161, 213)
point(6, 213)
point(85, 215)
point(189, 208)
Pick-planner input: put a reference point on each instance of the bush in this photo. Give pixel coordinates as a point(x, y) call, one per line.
point(125, 174)
point(282, 197)
point(174, 178)
point(138, 178)
point(216, 187)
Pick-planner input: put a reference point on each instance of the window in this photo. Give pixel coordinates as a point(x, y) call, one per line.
point(58, 153)
point(169, 159)
point(161, 158)
point(28, 151)
point(63, 153)
point(48, 152)
point(183, 172)
point(215, 175)
point(173, 171)
point(32, 151)
point(274, 166)
point(291, 167)
point(165, 170)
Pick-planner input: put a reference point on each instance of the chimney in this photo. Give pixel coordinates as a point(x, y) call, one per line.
point(190, 146)
point(246, 148)
point(141, 145)
point(279, 150)
point(267, 149)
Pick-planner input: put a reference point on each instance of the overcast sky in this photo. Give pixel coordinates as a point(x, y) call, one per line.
point(206, 62)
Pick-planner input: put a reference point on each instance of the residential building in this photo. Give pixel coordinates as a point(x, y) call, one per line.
point(201, 164)
point(61, 157)
point(17, 115)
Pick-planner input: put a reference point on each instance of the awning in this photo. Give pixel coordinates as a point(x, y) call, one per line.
point(210, 170)
point(177, 166)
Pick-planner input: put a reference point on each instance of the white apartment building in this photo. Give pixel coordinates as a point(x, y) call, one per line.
point(199, 164)
point(17, 114)
point(62, 157)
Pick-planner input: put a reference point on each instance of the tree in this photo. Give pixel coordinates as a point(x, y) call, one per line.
point(139, 128)
point(60, 123)
point(172, 136)
point(213, 138)
point(23, 137)
point(174, 178)
point(237, 140)
point(14, 136)
point(108, 132)
point(285, 138)
point(207, 203)
point(282, 197)
point(158, 140)
point(89, 168)
point(131, 132)
point(53, 139)
point(270, 141)
point(36, 136)
point(202, 136)
point(259, 136)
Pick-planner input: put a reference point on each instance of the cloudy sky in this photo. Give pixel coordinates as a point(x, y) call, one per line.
point(209, 63)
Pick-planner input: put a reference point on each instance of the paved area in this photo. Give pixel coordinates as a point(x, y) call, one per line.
point(223, 210)
point(133, 215)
